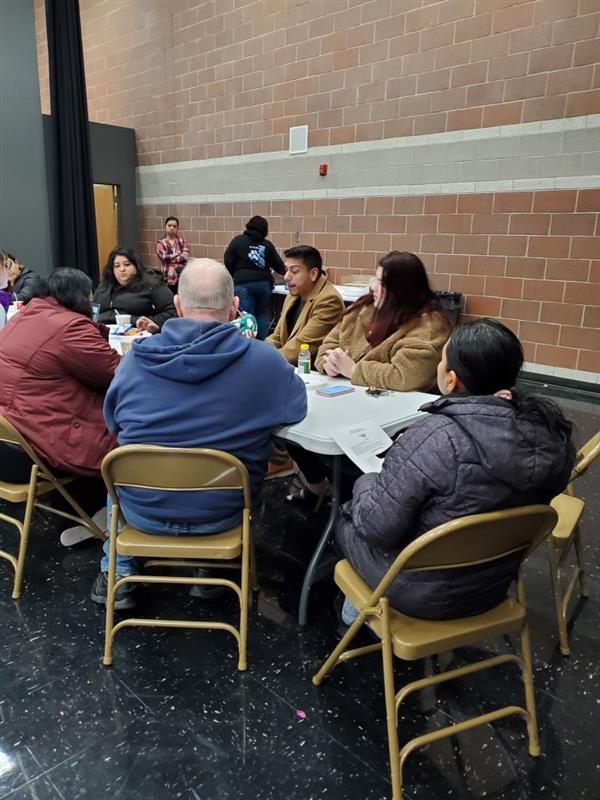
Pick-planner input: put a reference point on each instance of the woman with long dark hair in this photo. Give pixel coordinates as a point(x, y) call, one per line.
point(128, 288)
point(392, 337)
point(483, 447)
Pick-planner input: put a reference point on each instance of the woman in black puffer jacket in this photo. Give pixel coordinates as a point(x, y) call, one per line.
point(128, 288)
point(480, 449)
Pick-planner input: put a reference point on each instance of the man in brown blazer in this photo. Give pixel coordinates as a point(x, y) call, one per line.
point(312, 307)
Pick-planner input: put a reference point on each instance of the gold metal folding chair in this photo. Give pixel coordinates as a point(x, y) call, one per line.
point(41, 481)
point(179, 469)
point(565, 537)
point(477, 539)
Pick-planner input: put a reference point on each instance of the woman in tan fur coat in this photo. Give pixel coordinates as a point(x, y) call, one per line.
point(391, 338)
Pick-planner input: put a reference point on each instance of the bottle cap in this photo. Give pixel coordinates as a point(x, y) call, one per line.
point(303, 347)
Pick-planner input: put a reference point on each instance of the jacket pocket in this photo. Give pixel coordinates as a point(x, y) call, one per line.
point(85, 444)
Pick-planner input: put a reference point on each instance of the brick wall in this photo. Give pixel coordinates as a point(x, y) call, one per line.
point(206, 79)
point(530, 259)
point(210, 78)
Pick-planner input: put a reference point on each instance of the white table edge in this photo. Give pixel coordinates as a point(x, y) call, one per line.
point(327, 447)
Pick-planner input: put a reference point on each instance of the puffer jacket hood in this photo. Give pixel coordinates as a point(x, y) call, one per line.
point(189, 351)
point(493, 428)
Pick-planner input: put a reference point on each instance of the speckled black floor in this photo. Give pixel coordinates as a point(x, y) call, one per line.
point(174, 718)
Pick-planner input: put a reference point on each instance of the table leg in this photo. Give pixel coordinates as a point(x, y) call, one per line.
point(310, 577)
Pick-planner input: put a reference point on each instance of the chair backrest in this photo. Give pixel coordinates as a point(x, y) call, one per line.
point(9, 434)
point(174, 469)
point(473, 540)
point(586, 456)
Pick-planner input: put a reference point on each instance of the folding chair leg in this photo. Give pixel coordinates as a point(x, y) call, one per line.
point(390, 701)
point(253, 572)
point(558, 601)
point(24, 538)
point(341, 646)
point(244, 602)
point(84, 516)
point(110, 600)
point(583, 588)
point(527, 673)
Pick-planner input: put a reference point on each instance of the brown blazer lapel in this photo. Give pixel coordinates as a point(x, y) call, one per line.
point(308, 303)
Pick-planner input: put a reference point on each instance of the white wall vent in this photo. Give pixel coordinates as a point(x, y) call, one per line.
point(298, 140)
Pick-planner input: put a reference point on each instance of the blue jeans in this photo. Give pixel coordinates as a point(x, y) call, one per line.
point(126, 565)
point(255, 298)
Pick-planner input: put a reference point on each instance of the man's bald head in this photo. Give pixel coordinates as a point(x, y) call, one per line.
point(206, 291)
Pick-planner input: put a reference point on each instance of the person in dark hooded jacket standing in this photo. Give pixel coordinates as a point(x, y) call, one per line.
point(482, 448)
point(250, 257)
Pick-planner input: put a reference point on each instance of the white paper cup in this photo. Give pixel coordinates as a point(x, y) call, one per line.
point(126, 346)
point(123, 319)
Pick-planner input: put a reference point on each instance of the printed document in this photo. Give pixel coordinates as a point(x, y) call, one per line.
point(362, 443)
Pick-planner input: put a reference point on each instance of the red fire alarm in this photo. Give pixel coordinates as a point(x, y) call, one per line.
point(323, 170)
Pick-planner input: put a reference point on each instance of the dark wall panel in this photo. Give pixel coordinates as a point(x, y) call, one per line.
point(113, 161)
point(24, 219)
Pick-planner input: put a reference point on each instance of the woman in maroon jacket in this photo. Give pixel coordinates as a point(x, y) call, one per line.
point(56, 368)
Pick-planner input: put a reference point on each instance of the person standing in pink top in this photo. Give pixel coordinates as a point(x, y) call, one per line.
point(173, 253)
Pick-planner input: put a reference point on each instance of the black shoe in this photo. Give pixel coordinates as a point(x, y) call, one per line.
point(124, 596)
point(206, 591)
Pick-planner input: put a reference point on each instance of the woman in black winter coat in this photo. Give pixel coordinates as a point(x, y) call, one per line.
point(24, 283)
point(483, 447)
point(250, 257)
point(128, 288)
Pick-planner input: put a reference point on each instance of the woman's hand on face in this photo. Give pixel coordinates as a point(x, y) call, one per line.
point(146, 324)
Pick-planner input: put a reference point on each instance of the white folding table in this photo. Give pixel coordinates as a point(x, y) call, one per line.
point(393, 411)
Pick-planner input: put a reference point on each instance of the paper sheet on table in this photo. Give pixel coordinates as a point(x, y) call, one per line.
point(362, 443)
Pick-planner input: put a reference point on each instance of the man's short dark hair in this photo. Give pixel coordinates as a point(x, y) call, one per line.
point(310, 256)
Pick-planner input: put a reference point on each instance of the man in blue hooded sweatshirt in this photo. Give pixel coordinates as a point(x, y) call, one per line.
point(198, 383)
